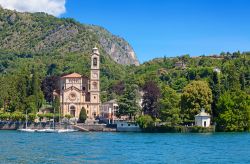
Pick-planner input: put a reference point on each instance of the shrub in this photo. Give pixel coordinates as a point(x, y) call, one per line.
point(17, 116)
point(68, 116)
point(31, 117)
point(82, 115)
point(145, 122)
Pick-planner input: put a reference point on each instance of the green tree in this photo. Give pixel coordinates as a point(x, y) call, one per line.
point(82, 115)
point(145, 122)
point(215, 85)
point(170, 106)
point(36, 89)
point(128, 102)
point(56, 104)
point(196, 95)
point(234, 111)
point(31, 104)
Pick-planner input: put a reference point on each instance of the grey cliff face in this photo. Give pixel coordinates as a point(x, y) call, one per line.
point(118, 49)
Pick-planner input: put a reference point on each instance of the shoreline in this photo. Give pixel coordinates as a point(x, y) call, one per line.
point(104, 128)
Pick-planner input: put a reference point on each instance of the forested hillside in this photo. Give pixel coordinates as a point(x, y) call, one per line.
point(176, 89)
point(35, 49)
point(40, 33)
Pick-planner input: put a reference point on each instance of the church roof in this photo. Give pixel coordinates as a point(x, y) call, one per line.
point(72, 75)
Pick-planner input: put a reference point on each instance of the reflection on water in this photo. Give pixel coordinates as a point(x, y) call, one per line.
point(21, 147)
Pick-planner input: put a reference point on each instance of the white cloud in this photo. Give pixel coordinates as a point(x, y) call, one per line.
point(54, 7)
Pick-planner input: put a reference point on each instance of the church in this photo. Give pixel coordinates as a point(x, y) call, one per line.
point(77, 91)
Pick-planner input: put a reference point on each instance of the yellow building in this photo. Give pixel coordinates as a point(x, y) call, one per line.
point(77, 91)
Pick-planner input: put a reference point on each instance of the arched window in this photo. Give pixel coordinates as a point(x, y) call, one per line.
point(95, 62)
point(72, 107)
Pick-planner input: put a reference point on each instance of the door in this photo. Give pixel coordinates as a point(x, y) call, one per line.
point(73, 111)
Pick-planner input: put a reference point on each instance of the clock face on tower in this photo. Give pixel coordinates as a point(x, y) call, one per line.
point(72, 96)
point(95, 75)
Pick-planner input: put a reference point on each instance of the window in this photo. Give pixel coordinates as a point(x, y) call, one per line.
point(95, 62)
point(87, 97)
point(94, 84)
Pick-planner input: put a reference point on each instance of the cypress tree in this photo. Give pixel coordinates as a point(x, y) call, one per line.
point(83, 115)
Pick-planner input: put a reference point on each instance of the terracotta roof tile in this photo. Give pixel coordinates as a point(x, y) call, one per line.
point(72, 75)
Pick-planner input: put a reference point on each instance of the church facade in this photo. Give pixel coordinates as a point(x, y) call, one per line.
point(77, 91)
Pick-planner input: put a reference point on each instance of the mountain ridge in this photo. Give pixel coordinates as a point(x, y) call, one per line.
point(43, 33)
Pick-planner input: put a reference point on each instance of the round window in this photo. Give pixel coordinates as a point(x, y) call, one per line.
point(72, 96)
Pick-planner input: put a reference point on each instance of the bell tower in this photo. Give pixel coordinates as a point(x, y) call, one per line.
point(94, 83)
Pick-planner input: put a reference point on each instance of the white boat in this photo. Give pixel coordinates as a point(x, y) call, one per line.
point(55, 130)
point(27, 130)
point(45, 130)
point(26, 125)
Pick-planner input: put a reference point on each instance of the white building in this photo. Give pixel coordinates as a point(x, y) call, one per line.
point(217, 70)
point(108, 111)
point(203, 119)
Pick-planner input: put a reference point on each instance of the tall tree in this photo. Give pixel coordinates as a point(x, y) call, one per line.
point(216, 91)
point(56, 104)
point(151, 98)
point(49, 84)
point(170, 106)
point(196, 95)
point(234, 111)
point(36, 89)
point(128, 103)
point(82, 115)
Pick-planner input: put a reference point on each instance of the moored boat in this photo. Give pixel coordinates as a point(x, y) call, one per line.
point(26, 125)
point(27, 130)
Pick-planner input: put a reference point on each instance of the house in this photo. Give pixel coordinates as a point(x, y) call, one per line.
point(203, 119)
point(108, 111)
point(180, 65)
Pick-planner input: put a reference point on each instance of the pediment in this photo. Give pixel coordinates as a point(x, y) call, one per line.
point(72, 88)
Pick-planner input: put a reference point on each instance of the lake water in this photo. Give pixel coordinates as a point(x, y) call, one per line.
point(98, 147)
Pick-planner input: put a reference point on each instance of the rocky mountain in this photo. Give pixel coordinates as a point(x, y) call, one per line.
point(42, 33)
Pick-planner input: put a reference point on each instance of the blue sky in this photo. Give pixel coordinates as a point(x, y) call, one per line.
point(157, 28)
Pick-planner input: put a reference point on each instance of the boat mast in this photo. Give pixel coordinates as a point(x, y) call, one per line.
point(59, 121)
point(54, 118)
point(26, 121)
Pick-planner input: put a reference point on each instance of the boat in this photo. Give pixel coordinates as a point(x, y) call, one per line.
point(26, 125)
point(54, 130)
point(47, 130)
point(27, 130)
